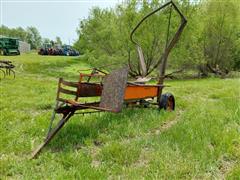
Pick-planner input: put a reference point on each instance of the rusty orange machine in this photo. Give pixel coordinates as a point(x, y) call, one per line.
point(113, 91)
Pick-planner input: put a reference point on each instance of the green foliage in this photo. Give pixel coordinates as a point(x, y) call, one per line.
point(104, 36)
point(211, 36)
point(46, 41)
point(236, 53)
point(200, 140)
point(220, 32)
point(14, 32)
point(33, 37)
point(58, 40)
point(30, 35)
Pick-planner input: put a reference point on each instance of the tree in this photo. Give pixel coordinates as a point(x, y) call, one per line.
point(18, 32)
point(33, 37)
point(208, 42)
point(46, 41)
point(220, 35)
point(58, 40)
point(104, 36)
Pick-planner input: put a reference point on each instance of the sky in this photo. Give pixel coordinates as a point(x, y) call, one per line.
point(51, 17)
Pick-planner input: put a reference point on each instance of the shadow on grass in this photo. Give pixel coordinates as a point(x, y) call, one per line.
point(74, 134)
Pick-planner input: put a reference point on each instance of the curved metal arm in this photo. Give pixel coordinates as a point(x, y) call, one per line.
point(173, 42)
point(168, 47)
point(144, 18)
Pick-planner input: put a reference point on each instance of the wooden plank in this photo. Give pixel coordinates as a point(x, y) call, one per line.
point(71, 84)
point(66, 91)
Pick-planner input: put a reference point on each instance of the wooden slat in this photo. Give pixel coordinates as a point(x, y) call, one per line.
point(66, 91)
point(62, 100)
point(67, 83)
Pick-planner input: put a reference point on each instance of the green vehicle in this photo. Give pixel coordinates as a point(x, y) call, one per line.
point(9, 46)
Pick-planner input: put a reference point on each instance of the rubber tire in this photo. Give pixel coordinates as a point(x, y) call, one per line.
point(164, 100)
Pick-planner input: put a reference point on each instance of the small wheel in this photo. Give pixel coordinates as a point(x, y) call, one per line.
point(167, 102)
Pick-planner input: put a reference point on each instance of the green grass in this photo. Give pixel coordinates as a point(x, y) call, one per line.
point(200, 140)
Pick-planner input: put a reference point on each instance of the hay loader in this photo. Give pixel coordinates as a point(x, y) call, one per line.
point(114, 90)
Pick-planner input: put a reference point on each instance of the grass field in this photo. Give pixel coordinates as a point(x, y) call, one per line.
point(200, 140)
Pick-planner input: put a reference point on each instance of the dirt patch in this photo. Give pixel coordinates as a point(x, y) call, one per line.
point(225, 166)
point(167, 125)
point(94, 153)
point(143, 158)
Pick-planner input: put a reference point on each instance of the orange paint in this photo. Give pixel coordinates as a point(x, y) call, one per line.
point(140, 92)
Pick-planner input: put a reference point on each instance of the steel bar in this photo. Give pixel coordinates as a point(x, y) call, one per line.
point(8, 67)
point(52, 134)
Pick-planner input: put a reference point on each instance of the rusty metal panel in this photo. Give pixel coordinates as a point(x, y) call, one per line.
point(89, 90)
point(114, 86)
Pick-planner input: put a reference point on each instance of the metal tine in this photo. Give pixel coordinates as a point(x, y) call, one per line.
point(4, 74)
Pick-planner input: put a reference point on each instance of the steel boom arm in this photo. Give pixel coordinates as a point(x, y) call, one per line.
point(163, 58)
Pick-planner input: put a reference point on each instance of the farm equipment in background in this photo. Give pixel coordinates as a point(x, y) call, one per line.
point(44, 50)
point(69, 51)
point(57, 50)
point(9, 46)
point(6, 68)
point(113, 90)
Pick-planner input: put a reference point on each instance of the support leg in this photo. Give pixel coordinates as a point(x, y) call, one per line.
point(52, 134)
point(53, 117)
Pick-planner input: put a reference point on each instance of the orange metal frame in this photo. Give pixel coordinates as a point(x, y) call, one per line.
point(133, 91)
point(141, 92)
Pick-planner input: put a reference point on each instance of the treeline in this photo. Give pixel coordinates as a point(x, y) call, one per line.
point(30, 35)
point(210, 43)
